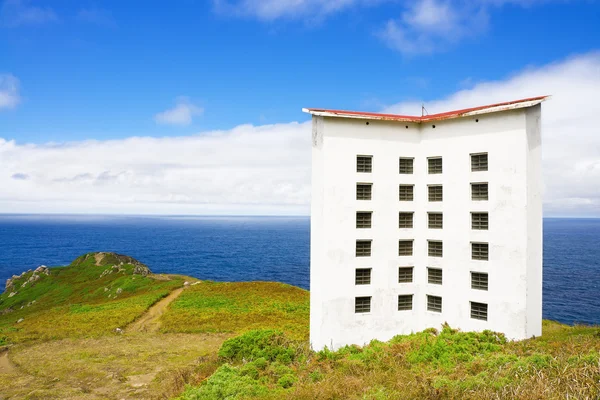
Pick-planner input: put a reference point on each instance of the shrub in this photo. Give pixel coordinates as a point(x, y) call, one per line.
point(268, 344)
point(226, 383)
point(287, 381)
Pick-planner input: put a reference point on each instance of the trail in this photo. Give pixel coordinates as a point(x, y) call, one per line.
point(6, 366)
point(150, 321)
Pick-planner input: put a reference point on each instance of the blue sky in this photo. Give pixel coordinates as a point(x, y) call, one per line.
point(104, 69)
point(151, 107)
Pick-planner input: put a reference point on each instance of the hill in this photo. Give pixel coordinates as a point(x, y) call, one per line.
point(106, 327)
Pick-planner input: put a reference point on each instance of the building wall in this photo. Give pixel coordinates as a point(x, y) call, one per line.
point(511, 139)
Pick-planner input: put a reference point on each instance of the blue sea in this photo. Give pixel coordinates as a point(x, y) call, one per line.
point(269, 248)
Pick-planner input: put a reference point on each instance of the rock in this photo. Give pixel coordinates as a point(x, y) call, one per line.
point(106, 289)
point(186, 283)
point(12, 294)
point(34, 278)
point(141, 269)
point(119, 291)
point(24, 284)
point(20, 320)
point(119, 330)
point(42, 269)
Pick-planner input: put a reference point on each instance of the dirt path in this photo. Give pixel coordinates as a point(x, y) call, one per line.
point(6, 366)
point(150, 321)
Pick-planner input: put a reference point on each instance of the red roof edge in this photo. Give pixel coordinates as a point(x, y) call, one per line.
point(508, 105)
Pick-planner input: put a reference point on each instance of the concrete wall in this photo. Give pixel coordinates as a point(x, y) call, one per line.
point(512, 141)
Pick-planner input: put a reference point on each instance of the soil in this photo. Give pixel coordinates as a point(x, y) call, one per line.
point(150, 320)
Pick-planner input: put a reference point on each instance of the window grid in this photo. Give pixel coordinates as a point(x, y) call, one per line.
point(435, 248)
point(362, 305)
point(479, 191)
point(479, 162)
point(405, 274)
point(405, 220)
point(363, 191)
point(479, 311)
point(406, 165)
point(363, 219)
point(479, 280)
point(363, 248)
point(434, 276)
point(435, 220)
point(364, 163)
point(405, 247)
point(405, 302)
point(363, 276)
point(436, 192)
point(406, 193)
point(480, 221)
point(434, 165)
point(434, 303)
point(480, 251)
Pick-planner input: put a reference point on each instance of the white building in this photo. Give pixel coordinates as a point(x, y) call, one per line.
point(417, 221)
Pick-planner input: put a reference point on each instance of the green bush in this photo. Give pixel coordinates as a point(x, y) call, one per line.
point(287, 381)
point(268, 344)
point(226, 383)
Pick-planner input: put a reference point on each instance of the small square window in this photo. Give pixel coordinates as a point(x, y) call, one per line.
point(435, 193)
point(405, 274)
point(362, 305)
point(406, 165)
point(405, 248)
point(434, 165)
point(434, 276)
point(405, 220)
point(406, 193)
point(363, 276)
point(363, 248)
point(479, 221)
point(479, 191)
point(479, 162)
point(364, 163)
point(435, 220)
point(479, 311)
point(435, 248)
point(405, 302)
point(434, 303)
point(480, 251)
point(479, 280)
point(363, 191)
point(363, 219)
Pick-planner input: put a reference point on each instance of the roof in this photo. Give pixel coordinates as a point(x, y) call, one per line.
point(466, 112)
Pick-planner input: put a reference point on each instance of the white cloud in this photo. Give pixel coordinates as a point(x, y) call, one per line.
point(14, 13)
point(181, 114)
point(266, 169)
point(9, 91)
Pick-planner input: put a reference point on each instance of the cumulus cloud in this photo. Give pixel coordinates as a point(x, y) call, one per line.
point(181, 114)
point(14, 13)
point(9, 91)
point(266, 169)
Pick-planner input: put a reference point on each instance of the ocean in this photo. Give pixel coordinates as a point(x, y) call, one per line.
point(269, 248)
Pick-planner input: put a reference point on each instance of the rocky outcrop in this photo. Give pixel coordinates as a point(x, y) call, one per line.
point(28, 278)
point(116, 262)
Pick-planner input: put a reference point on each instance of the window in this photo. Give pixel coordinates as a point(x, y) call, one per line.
point(479, 311)
point(405, 220)
point(363, 219)
point(405, 302)
point(362, 305)
point(363, 191)
point(435, 248)
point(363, 248)
point(479, 280)
point(436, 220)
point(434, 165)
point(479, 191)
point(405, 274)
point(405, 248)
point(406, 165)
point(434, 303)
point(479, 251)
point(479, 221)
point(479, 162)
point(435, 193)
point(363, 276)
point(434, 276)
point(406, 193)
point(364, 163)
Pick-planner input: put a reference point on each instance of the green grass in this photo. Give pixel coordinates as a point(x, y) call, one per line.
point(239, 307)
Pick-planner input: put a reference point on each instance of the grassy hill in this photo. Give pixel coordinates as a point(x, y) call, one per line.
point(105, 327)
